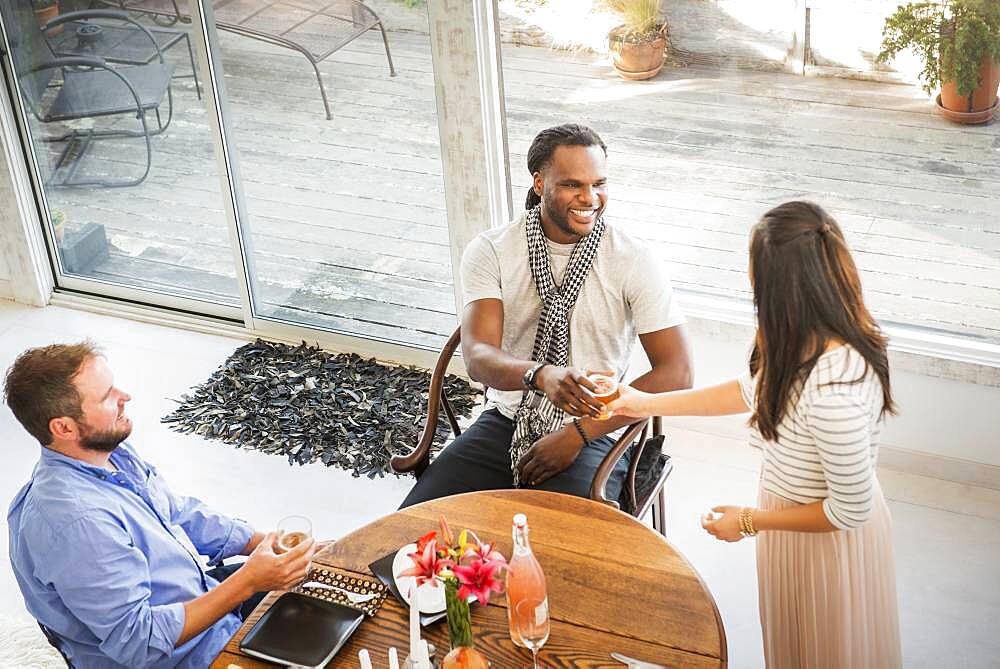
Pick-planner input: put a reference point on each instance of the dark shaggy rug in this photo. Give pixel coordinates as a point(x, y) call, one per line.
point(309, 405)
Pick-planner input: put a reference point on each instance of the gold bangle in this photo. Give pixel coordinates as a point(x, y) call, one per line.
point(746, 522)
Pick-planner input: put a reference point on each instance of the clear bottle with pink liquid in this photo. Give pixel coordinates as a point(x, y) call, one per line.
point(527, 601)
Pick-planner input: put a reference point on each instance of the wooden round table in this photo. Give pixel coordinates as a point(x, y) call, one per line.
point(613, 585)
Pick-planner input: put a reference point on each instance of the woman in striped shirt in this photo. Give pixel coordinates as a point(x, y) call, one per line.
point(818, 387)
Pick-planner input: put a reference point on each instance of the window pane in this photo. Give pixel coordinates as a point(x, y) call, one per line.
point(346, 215)
point(698, 152)
point(134, 197)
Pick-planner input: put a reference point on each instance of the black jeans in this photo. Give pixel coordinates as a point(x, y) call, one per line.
point(224, 571)
point(479, 459)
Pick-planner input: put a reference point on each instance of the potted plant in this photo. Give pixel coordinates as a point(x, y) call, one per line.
point(45, 11)
point(637, 46)
point(959, 44)
point(58, 218)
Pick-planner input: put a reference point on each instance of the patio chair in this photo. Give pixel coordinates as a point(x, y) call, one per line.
point(63, 89)
point(648, 471)
point(51, 637)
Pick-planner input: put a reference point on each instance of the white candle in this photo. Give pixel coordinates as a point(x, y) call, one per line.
point(393, 659)
point(365, 658)
point(414, 620)
point(424, 655)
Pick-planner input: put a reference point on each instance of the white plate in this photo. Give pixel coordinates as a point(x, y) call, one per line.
point(431, 592)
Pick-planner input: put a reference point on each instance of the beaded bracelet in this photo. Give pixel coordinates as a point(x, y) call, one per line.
point(579, 428)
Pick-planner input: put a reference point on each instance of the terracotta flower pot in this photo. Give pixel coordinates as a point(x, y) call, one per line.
point(981, 104)
point(636, 59)
point(46, 14)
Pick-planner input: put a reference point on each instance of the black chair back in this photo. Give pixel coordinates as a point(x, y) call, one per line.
point(28, 49)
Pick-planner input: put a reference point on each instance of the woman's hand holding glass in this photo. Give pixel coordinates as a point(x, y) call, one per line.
point(632, 403)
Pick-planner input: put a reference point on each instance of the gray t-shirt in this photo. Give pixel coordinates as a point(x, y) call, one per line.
point(626, 294)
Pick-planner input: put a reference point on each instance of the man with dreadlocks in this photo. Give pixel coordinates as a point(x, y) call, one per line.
point(548, 297)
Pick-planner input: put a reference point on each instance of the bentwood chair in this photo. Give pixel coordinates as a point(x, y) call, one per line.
point(648, 470)
point(61, 90)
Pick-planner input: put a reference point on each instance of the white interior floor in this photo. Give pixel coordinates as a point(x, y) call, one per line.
point(947, 535)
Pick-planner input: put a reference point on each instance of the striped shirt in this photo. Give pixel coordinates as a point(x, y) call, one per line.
point(827, 444)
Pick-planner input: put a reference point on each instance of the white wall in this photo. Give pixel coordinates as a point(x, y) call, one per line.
point(5, 289)
point(21, 277)
point(7, 205)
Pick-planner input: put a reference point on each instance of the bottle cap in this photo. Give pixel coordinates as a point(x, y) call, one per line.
point(520, 520)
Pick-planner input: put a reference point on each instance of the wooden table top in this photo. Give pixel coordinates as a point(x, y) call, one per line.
point(613, 585)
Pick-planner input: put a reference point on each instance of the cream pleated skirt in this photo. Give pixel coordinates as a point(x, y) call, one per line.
point(828, 599)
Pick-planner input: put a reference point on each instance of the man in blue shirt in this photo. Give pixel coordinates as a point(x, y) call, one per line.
point(105, 554)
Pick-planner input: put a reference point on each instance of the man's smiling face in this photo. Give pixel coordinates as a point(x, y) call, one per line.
point(574, 190)
point(104, 424)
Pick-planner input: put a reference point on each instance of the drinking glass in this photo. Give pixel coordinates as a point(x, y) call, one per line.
point(531, 625)
point(607, 391)
point(292, 531)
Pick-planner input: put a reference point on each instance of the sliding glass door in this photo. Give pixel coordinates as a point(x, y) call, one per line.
point(115, 117)
point(270, 161)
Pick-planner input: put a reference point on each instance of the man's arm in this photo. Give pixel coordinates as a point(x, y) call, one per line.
point(109, 589)
point(669, 356)
point(264, 571)
point(486, 362)
point(255, 540)
point(214, 534)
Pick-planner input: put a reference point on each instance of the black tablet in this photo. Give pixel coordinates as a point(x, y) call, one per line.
point(301, 630)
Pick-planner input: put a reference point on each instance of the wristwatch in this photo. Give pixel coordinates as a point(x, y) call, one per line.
point(528, 380)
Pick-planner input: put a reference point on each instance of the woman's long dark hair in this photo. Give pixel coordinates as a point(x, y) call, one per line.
point(545, 144)
point(807, 292)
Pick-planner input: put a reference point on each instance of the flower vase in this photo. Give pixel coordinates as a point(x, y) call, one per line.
point(463, 655)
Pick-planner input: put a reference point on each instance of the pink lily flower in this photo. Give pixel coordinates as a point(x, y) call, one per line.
point(479, 578)
point(425, 564)
point(483, 551)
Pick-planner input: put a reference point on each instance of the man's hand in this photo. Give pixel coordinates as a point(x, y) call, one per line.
point(567, 388)
point(549, 455)
point(266, 570)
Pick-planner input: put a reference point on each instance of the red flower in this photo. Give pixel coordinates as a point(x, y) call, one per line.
point(425, 562)
point(424, 540)
point(479, 578)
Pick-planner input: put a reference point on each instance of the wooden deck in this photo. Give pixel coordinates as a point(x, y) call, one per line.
point(348, 217)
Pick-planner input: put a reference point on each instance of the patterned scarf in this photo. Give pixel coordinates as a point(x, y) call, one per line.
point(536, 416)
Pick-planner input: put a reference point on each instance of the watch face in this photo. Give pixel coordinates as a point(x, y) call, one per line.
point(529, 376)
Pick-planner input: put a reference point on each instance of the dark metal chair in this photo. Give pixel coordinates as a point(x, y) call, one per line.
point(53, 640)
point(316, 30)
point(60, 89)
point(648, 469)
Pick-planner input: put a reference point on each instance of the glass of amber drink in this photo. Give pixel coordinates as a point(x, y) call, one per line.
point(292, 531)
point(606, 391)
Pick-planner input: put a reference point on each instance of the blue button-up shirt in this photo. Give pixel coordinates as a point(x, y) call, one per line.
point(107, 559)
